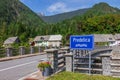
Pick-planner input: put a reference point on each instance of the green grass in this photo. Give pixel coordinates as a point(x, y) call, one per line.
point(78, 76)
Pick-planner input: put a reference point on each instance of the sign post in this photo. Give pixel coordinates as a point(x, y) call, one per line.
point(89, 62)
point(85, 42)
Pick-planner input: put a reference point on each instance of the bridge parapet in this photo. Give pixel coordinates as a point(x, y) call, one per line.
point(81, 60)
point(111, 62)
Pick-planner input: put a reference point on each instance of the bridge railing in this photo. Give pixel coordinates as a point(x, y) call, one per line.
point(57, 58)
point(74, 61)
point(7, 52)
point(81, 63)
point(101, 47)
point(81, 59)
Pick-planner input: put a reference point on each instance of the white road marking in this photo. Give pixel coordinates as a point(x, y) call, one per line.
point(17, 66)
point(28, 75)
point(33, 76)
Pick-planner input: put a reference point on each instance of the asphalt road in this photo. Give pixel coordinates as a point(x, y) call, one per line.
point(18, 68)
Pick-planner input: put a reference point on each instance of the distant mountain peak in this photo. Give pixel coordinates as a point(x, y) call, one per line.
point(101, 9)
point(104, 7)
point(63, 16)
point(101, 4)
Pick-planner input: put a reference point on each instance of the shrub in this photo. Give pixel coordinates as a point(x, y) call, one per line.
point(43, 65)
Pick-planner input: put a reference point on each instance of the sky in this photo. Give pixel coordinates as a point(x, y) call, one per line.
point(52, 7)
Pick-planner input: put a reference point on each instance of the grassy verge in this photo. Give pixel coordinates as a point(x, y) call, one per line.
point(78, 76)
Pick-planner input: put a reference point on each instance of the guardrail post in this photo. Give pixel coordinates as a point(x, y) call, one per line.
point(22, 50)
point(69, 62)
point(52, 55)
point(9, 52)
point(39, 48)
point(31, 50)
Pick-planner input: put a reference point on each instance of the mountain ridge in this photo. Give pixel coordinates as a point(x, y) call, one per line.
point(98, 9)
point(60, 17)
point(16, 11)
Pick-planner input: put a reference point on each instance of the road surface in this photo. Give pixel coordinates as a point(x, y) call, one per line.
point(18, 68)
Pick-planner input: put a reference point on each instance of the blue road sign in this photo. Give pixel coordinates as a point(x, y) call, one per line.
point(85, 42)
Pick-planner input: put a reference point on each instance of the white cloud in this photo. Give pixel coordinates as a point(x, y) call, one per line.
point(58, 7)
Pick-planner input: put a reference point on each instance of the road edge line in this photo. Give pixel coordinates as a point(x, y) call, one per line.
point(28, 75)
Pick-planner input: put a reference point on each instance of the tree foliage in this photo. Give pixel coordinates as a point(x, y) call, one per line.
point(18, 20)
